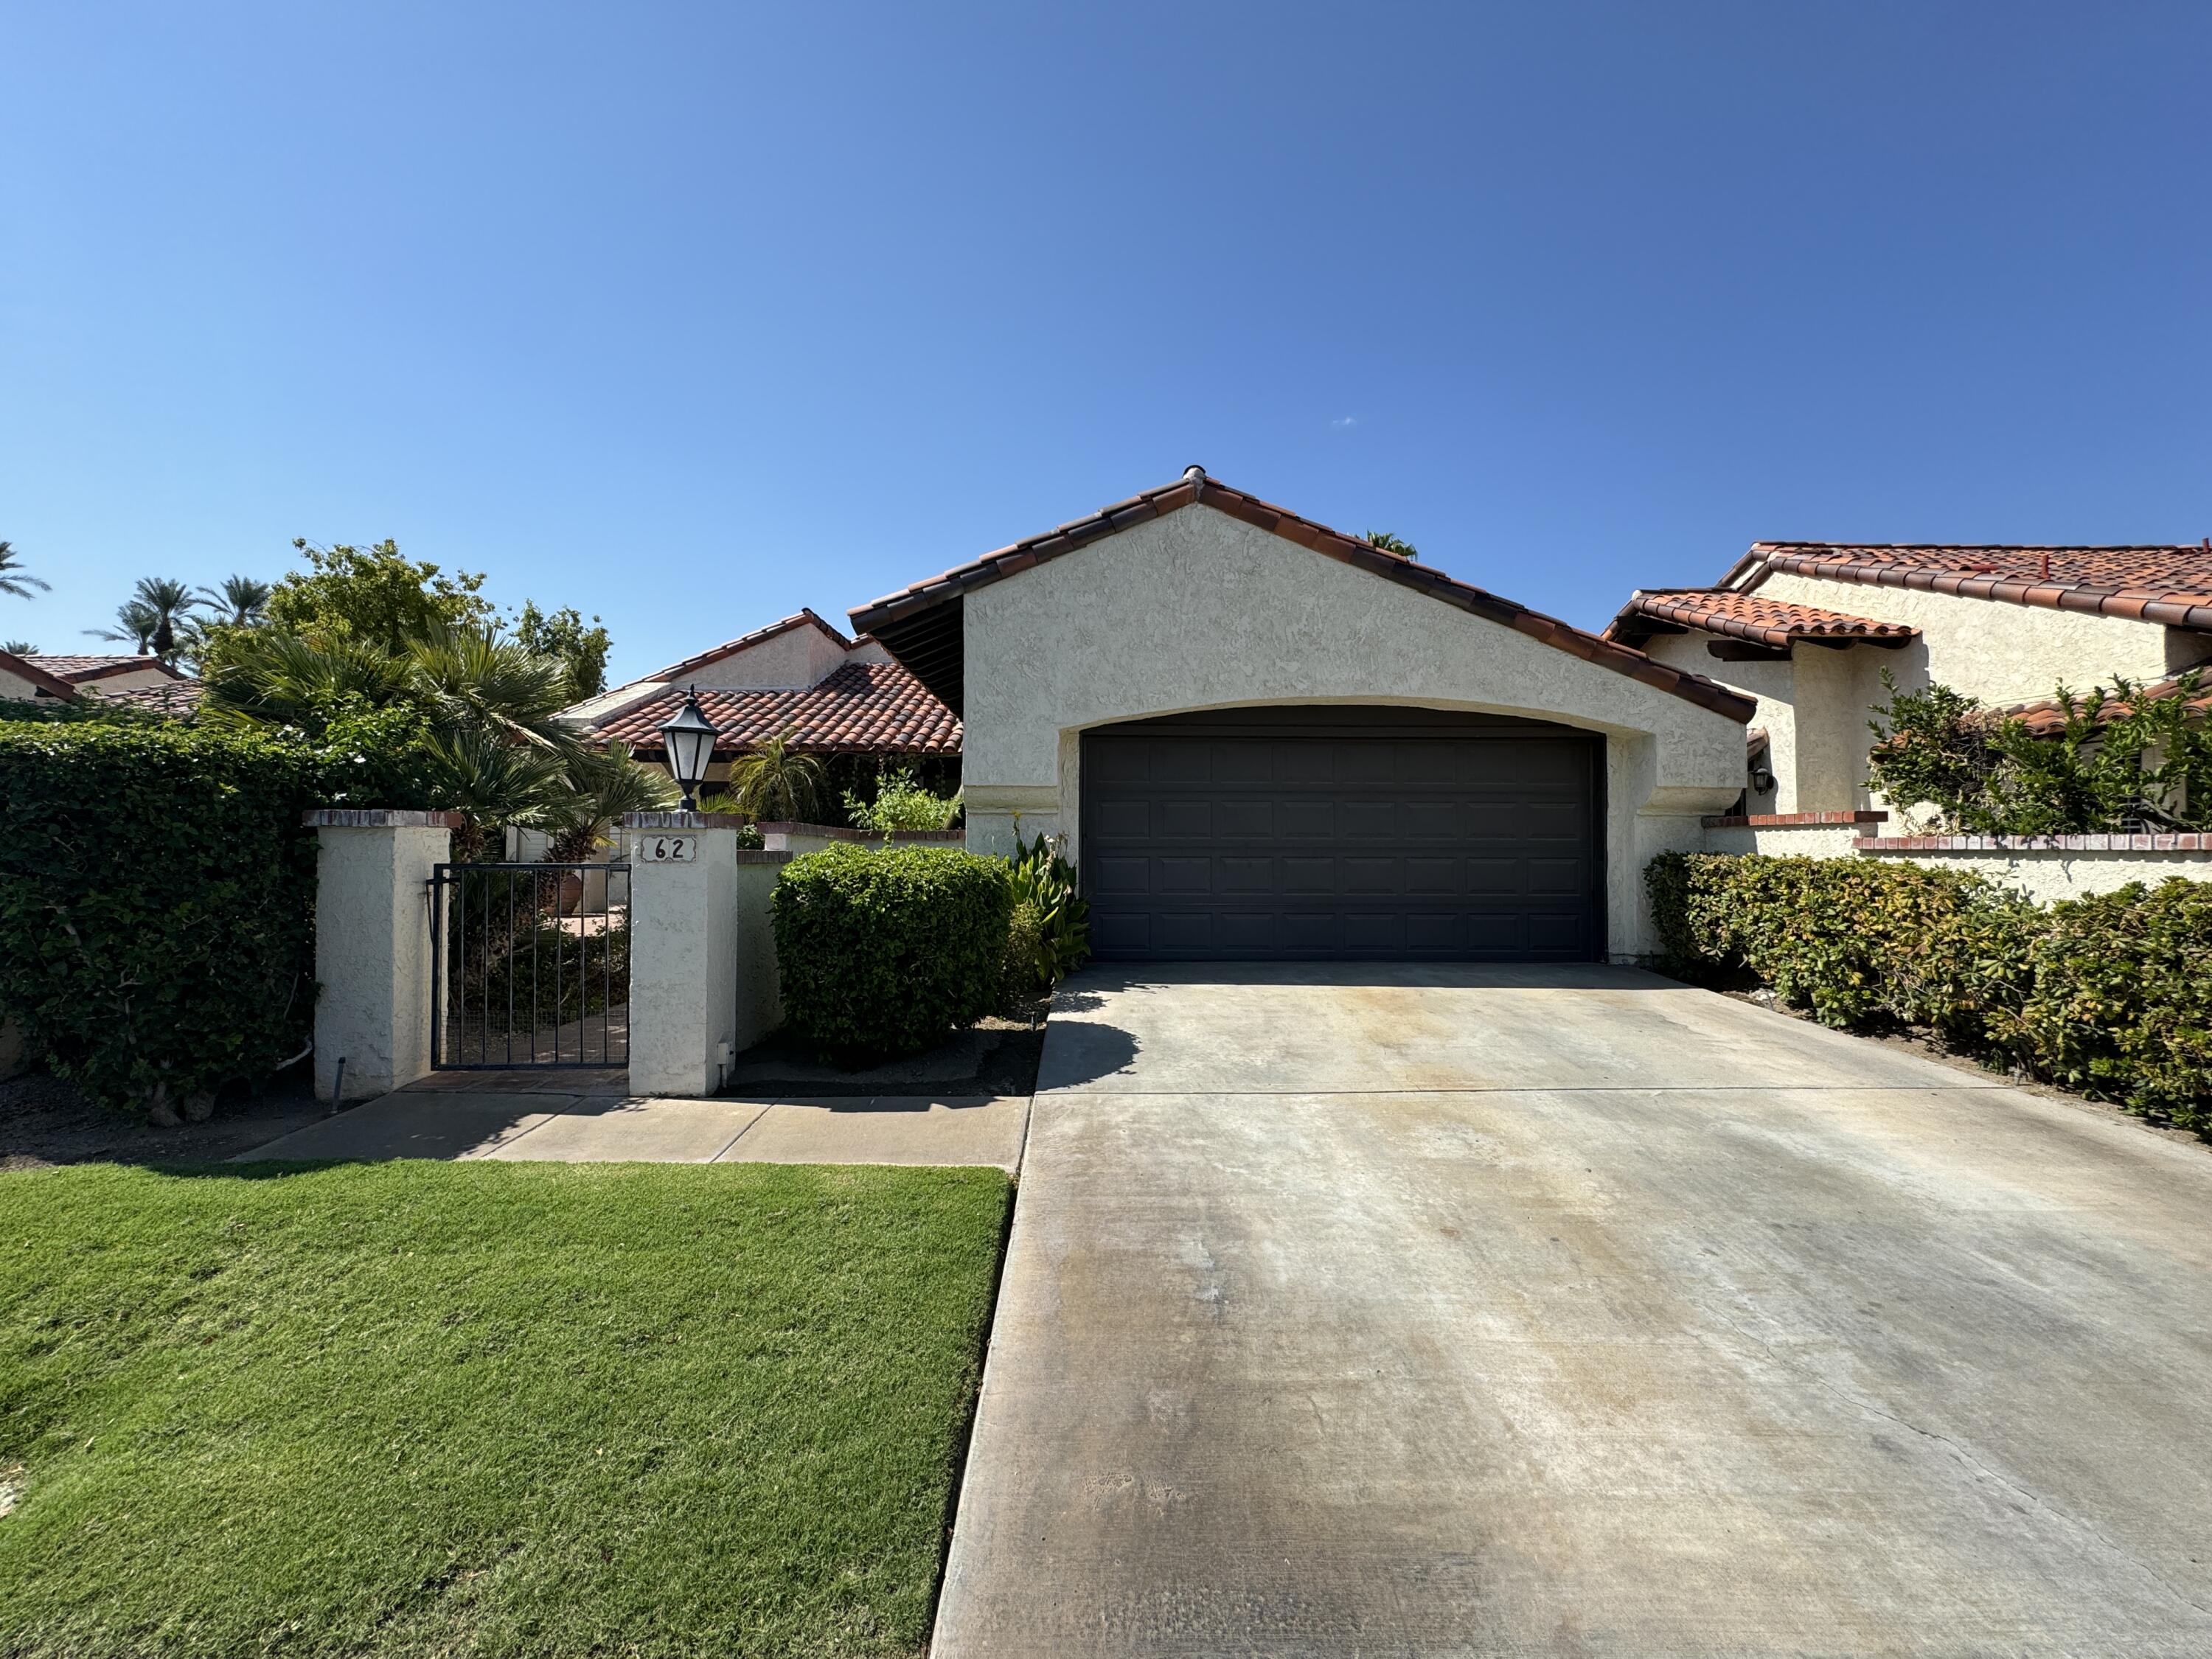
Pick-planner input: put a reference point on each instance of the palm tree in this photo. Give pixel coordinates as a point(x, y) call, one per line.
point(491, 782)
point(243, 596)
point(283, 679)
point(171, 602)
point(136, 624)
point(607, 786)
point(1383, 542)
point(776, 781)
point(19, 648)
point(16, 581)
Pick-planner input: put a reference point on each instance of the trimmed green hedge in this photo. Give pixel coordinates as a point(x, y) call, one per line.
point(2110, 995)
point(157, 898)
point(882, 950)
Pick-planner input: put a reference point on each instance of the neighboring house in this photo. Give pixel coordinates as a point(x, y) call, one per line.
point(147, 682)
point(1806, 627)
point(1265, 738)
point(800, 678)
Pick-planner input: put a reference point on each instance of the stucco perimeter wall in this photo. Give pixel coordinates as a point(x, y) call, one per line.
point(1809, 841)
point(1998, 652)
point(1198, 609)
point(2047, 874)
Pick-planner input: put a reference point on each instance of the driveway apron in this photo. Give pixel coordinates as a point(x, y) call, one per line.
point(1516, 1310)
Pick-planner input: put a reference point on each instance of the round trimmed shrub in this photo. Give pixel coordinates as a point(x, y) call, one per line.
point(882, 950)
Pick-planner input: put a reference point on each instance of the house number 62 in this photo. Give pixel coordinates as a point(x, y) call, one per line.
point(668, 849)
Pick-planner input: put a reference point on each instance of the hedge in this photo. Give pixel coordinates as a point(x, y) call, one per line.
point(157, 898)
point(2110, 995)
point(882, 950)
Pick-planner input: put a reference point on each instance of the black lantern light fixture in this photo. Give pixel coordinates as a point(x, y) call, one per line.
point(689, 738)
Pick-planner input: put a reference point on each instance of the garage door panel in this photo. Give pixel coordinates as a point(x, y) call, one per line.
point(1442, 844)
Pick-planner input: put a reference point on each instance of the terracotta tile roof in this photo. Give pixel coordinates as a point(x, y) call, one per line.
point(2171, 585)
point(864, 708)
point(176, 697)
point(79, 669)
point(44, 679)
point(1746, 617)
point(921, 625)
point(800, 618)
point(2047, 720)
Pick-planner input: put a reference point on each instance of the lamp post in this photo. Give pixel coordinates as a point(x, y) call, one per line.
point(689, 738)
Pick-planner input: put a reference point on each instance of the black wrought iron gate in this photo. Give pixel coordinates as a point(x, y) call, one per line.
point(530, 965)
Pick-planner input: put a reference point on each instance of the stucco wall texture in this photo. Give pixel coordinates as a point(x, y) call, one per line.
point(1198, 609)
point(2049, 876)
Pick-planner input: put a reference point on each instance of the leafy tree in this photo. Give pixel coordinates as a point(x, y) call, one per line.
point(2118, 759)
point(775, 782)
point(374, 595)
point(901, 803)
point(582, 651)
point(1383, 540)
point(16, 581)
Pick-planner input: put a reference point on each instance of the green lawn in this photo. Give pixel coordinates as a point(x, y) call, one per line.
point(485, 1408)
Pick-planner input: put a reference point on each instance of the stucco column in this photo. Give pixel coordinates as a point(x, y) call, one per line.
point(373, 945)
point(684, 1026)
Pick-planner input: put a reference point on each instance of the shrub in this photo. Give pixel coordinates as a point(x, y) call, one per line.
point(157, 896)
point(1050, 933)
point(901, 803)
point(2106, 994)
point(882, 950)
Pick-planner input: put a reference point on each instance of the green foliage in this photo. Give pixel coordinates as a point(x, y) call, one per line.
point(2119, 761)
point(2122, 1008)
point(19, 648)
point(2106, 994)
point(581, 651)
point(155, 896)
point(775, 783)
point(901, 803)
point(1050, 933)
point(373, 595)
point(603, 788)
point(882, 950)
point(1384, 542)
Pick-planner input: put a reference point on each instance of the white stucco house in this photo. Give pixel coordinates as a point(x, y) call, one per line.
point(145, 681)
point(1265, 738)
point(1806, 628)
point(800, 678)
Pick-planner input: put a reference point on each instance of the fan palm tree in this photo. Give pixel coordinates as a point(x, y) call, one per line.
point(16, 581)
point(243, 597)
point(491, 781)
point(607, 786)
point(470, 677)
point(285, 679)
point(776, 781)
point(19, 648)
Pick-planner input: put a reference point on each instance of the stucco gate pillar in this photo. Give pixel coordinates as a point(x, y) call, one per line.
point(684, 949)
point(372, 960)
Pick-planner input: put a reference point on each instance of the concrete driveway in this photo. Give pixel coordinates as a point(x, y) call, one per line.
point(1572, 1311)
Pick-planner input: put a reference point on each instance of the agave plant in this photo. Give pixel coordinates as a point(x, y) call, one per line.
point(776, 781)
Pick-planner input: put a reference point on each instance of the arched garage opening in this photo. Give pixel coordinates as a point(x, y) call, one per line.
point(1344, 833)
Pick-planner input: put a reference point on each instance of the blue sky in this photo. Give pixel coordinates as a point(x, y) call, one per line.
point(690, 315)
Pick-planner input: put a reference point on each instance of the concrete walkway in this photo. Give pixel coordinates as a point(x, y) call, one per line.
point(442, 1121)
point(1574, 1312)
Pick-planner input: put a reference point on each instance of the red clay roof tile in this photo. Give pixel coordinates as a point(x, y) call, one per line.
point(864, 708)
point(1746, 617)
point(2169, 584)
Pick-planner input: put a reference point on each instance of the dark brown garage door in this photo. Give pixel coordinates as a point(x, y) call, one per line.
point(1337, 834)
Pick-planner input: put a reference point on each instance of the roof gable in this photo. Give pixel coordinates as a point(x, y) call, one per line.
point(1773, 622)
point(27, 670)
point(921, 625)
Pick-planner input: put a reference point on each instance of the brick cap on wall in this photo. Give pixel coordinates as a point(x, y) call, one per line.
point(2177, 842)
point(1792, 820)
point(840, 832)
point(379, 817)
point(754, 855)
point(685, 820)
